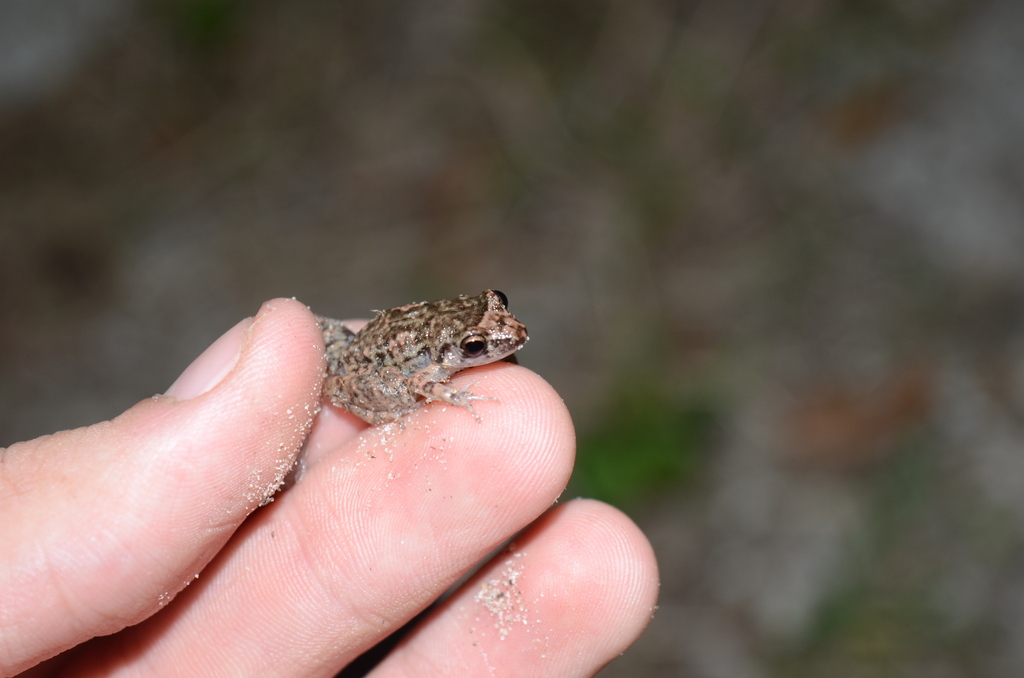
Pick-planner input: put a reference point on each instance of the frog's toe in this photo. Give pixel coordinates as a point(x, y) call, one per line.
point(465, 399)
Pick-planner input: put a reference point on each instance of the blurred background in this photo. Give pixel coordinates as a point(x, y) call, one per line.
point(771, 253)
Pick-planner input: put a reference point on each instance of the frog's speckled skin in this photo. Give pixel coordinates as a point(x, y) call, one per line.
point(402, 358)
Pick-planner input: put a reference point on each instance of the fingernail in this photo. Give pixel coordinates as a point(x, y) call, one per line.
point(212, 365)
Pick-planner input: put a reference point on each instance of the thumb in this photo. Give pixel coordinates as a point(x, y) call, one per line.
point(104, 525)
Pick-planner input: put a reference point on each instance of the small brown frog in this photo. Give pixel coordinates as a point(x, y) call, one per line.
point(402, 358)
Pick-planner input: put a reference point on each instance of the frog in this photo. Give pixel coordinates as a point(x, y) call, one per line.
point(404, 357)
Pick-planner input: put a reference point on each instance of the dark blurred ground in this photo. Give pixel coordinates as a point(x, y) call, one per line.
point(771, 254)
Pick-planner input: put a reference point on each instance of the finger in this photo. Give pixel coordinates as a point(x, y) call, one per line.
point(104, 525)
point(567, 597)
point(373, 533)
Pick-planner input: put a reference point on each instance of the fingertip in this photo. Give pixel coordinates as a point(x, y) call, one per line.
point(615, 547)
point(289, 317)
point(590, 576)
point(212, 365)
point(208, 370)
point(566, 597)
point(529, 419)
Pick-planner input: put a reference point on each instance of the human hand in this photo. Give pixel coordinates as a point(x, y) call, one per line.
point(104, 526)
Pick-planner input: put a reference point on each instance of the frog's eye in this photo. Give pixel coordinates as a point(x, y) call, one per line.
point(501, 295)
point(473, 346)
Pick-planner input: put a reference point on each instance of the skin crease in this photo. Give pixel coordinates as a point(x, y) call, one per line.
point(105, 526)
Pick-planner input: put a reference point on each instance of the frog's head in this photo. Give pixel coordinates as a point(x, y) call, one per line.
point(495, 334)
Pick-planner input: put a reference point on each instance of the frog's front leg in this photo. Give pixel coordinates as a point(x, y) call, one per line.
point(428, 382)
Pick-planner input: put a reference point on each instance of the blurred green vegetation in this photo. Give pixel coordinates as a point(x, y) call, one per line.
point(643, 444)
point(204, 26)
